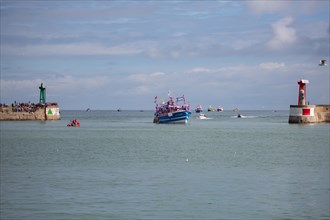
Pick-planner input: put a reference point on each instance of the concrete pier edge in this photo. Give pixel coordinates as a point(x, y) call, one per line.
point(300, 114)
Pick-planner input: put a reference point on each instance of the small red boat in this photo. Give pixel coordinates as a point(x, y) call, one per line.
point(74, 123)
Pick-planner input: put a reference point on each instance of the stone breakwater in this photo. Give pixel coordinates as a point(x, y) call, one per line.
point(300, 114)
point(47, 112)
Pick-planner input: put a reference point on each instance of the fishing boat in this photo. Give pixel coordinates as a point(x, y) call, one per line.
point(172, 111)
point(211, 109)
point(220, 109)
point(199, 109)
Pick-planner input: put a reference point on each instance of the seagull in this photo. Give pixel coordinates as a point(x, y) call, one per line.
point(322, 63)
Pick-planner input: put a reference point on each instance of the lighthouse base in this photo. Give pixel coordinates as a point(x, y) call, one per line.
point(300, 114)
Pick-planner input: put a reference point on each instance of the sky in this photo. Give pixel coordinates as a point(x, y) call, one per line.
point(121, 54)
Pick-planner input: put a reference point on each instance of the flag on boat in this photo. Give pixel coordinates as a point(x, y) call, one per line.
point(180, 98)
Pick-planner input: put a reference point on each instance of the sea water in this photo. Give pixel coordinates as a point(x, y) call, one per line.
point(119, 165)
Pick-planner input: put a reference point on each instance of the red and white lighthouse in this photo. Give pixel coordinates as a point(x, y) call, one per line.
point(302, 91)
point(306, 113)
point(303, 112)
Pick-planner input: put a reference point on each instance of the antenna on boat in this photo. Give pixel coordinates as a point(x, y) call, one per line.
point(169, 93)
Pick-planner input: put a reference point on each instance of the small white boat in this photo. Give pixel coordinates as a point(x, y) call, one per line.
point(241, 116)
point(202, 116)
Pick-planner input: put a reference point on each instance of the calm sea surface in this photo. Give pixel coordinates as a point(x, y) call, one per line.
point(119, 165)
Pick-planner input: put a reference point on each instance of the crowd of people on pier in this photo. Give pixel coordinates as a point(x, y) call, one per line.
point(24, 107)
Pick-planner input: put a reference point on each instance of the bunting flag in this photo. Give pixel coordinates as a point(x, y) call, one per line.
point(155, 99)
point(180, 98)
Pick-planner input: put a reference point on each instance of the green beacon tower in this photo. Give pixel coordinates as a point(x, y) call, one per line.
point(42, 98)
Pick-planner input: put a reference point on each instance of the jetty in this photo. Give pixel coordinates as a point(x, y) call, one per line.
point(31, 111)
point(303, 112)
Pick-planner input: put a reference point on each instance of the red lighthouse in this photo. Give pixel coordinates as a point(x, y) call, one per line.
point(306, 113)
point(302, 91)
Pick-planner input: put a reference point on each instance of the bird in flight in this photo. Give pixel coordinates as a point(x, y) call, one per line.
point(322, 63)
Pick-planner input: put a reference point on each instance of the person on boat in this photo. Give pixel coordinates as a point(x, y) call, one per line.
point(74, 123)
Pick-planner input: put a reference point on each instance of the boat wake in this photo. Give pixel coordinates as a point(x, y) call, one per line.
point(206, 118)
point(243, 116)
point(202, 117)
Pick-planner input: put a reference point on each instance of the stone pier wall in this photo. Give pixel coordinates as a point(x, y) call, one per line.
point(44, 113)
point(300, 114)
point(322, 113)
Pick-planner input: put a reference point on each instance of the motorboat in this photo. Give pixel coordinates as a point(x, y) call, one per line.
point(202, 116)
point(241, 116)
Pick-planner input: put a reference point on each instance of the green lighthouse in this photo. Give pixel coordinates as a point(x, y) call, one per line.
point(42, 98)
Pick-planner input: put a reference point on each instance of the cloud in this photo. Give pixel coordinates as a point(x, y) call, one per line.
point(69, 85)
point(267, 6)
point(144, 83)
point(271, 65)
point(200, 70)
point(71, 49)
point(286, 7)
point(178, 34)
point(283, 35)
point(147, 78)
point(157, 74)
point(12, 90)
point(231, 86)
